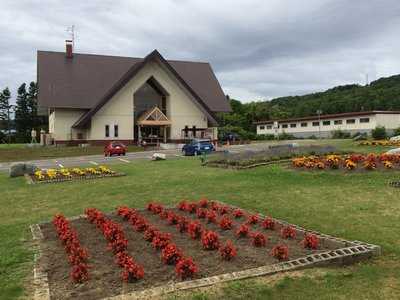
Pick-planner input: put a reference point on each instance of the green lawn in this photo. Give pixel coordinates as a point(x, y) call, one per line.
point(21, 152)
point(353, 206)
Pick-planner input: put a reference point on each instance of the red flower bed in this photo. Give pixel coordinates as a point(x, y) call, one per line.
point(258, 239)
point(140, 224)
point(210, 240)
point(268, 223)
point(77, 255)
point(183, 224)
point(203, 203)
point(201, 213)
point(238, 213)
point(172, 218)
point(150, 233)
point(228, 251)
point(161, 240)
point(225, 223)
point(280, 252)
point(243, 230)
point(191, 207)
point(186, 268)
point(310, 241)
point(155, 208)
point(223, 210)
point(211, 216)
point(195, 229)
point(288, 232)
point(252, 219)
point(171, 254)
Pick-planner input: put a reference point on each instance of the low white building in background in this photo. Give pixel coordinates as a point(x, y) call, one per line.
point(325, 125)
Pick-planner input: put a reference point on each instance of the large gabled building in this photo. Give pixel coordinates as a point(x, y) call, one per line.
point(326, 125)
point(96, 98)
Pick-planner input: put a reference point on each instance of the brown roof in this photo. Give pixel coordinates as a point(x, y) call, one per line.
point(83, 81)
point(330, 116)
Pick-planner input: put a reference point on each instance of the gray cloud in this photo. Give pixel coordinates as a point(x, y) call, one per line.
point(259, 49)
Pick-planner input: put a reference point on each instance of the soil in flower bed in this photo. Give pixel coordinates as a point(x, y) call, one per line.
point(105, 275)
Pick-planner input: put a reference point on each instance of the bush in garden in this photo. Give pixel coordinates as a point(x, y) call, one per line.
point(211, 216)
point(121, 257)
point(194, 229)
point(171, 254)
point(310, 241)
point(228, 251)
point(225, 223)
point(172, 218)
point(163, 215)
point(80, 273)
point(182, 205)
point(186, 268)
point(215, 206)
point(238, 213)
point(288, 232)
point(191, 207)
point(125, 212)
point(243, 230)
point(379, 133)
point(141, 224)
point(268, 223)
point(258, 239)
point(252, 219)
point(280, 252)
point(150, 233)
point(131, 270)
point(183, 224)
point(223, 210)
point(201, 213)
point(203, 203)
point(210, 240)
point(161, 240)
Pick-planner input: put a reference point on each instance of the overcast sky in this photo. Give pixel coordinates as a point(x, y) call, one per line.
point(258, 49)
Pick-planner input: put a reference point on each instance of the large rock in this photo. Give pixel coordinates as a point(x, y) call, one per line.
point(20, 169)
point(393, 151)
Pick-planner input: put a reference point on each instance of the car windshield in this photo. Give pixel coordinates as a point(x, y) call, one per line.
point(204, 142)
point(114, 145)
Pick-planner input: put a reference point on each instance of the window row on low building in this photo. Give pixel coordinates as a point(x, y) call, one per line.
point(315, 123)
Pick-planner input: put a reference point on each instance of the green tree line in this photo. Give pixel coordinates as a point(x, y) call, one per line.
point(382, 94)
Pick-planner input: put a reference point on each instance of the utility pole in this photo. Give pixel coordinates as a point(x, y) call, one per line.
point(319, 112)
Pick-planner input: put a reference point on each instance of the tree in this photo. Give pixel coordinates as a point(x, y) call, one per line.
point(23, 123)
point(379, 133)
point(5, 111)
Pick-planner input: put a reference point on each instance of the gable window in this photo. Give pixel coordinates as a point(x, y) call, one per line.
point(326, 123)
point(315, 123)
point(262, 127)
point(284, 126)
point(364, 120)
point(293, 125)
point(115, 130)
point(338, 122)
point(351, 121)
point(107, 131)
point(269, 126)
point(304, 124)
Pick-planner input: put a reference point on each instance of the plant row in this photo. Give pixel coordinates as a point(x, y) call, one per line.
point(69, 173)
point(349, 162)
point(380, 143)
point(117, 243)
point(170, 253)
point(77, 255)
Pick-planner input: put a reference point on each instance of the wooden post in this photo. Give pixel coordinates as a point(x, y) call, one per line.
point(165, 134)
point(139, 134)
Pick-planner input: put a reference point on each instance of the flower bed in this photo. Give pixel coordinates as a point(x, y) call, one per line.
point(68, 174)
point(349, 162)
point(160, 249)
point(380, 143)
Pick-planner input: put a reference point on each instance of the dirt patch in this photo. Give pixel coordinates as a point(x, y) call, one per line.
point(105, 275)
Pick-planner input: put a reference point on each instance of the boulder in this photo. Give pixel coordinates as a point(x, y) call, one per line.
point(20, 169)
point(393, 151)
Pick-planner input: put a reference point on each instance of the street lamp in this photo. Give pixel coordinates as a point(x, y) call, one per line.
point(9, 108)
point(319, 112)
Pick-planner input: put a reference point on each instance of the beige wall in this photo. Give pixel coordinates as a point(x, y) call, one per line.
point(60, 122)
point(181, 110)
point(390, 121)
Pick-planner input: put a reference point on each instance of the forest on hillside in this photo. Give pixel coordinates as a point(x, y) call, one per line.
point(382, 94)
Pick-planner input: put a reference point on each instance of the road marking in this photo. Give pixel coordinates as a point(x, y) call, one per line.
point(93, 163)
point(124, 160)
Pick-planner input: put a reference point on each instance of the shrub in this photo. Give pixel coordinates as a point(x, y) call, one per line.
point(379, 133)
point(171, 254)
point(172, 218)
point(80, 273)
point(211, 216)
point(201, 213)
point(268, 223)
point(150, 233)
point(183, 224)
point(223, 210)
point(238, 213)
point(210, 240)
point(225, 223)
point(191, 207)
point(288, 232)
point(182, 205)
point(339, 134)
point(396, 131)
point(186, 268)
point(194, 229)
point(125, 212)
point(161, 240)
point(258, 239)
point(203, 202)
point(228, 251)
point(252, 219)
point(310, 241)
point(141, 224)
point(280, 252)
point(242, 231)
point(132, 271)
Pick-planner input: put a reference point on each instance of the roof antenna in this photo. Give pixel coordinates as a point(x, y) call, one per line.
point(71, 31)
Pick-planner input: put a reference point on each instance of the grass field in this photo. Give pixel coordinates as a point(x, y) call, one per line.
point(353, 206)
point(21, 152)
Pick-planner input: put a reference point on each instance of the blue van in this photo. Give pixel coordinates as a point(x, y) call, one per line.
point(198, 146)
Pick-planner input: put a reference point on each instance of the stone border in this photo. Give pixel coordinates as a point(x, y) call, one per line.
point(353, 251)
point(30, 180)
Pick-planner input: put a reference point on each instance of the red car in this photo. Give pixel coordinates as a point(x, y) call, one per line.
point(115, 148)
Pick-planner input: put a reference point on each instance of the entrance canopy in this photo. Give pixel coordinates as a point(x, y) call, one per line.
point(153, 117)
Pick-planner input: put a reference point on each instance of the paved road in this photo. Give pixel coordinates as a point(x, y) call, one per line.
point(95, 160)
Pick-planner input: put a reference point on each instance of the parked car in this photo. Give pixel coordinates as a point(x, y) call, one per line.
point(115, 148)
point(198, 146)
